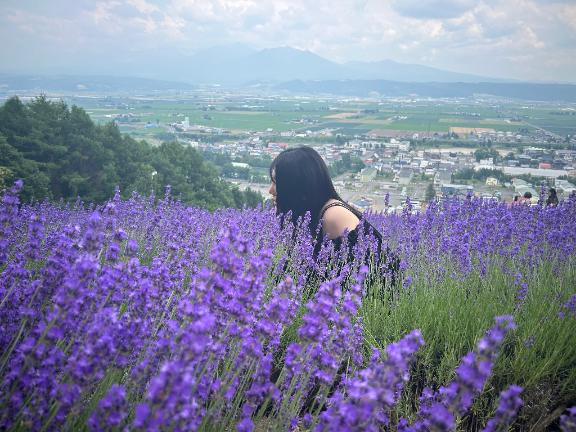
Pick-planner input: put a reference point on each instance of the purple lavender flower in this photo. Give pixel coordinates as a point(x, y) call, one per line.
point(245, 425)
point(369, 396)
point(8, 217)
point(111, 410)
point(522, 289)
point(568, 420)
point(529, 342)
point(195, 323)
point(475, 368)
point(510, 403)
point(454, 399)
point(568, 308)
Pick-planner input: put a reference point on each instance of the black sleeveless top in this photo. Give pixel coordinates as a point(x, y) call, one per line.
point(387, 264)
point(353, 235)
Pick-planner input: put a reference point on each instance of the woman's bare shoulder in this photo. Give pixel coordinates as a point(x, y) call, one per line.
point(338, 219)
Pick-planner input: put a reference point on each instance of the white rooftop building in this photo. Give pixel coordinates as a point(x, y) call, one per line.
point(549, 173)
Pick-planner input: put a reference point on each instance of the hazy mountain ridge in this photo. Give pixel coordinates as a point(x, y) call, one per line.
point(86, 83)
point(285, 64)
point(238, 64)
point(290, 70)
point(408, 72)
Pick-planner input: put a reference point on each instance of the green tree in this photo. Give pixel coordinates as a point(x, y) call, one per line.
point(60, 153)
point(486, 153)
point(14, 166)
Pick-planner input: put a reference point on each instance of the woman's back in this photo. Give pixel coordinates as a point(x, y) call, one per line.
point(364, 244)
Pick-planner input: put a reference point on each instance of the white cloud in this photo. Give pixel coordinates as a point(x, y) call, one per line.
point(432, 9)
point(493, 37)
point(143, 6)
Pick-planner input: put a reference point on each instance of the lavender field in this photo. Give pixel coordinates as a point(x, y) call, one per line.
point(148, 315)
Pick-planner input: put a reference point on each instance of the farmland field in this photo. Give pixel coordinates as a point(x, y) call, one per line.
point(148, 315)
point(243, 114)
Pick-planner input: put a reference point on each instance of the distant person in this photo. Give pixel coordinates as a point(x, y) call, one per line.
point(527, 197)
point(552, 198)
point(516, 200)
point(301, 183)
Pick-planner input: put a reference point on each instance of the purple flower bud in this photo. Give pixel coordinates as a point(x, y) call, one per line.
point(131, 248)
point(568, 420)
point(507, 410)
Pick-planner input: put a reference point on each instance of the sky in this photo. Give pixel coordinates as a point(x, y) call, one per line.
point(521, 39)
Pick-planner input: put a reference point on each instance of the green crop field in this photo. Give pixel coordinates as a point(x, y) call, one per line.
point(150, 117)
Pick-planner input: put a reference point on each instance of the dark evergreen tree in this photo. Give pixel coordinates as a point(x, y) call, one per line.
point(60, 153)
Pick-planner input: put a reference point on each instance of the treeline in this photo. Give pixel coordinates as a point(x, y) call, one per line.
point(257, 171)
point(346, 164)
point(60, 153)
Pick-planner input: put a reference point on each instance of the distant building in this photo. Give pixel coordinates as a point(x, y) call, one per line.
point(564, 187)
point(456, 190)
point(516, 182)
point(362, 204)
point(464, 131)
point(534, 151)
point(549, 173)
point(566, 154)
point(491, 181)
point(240, 165)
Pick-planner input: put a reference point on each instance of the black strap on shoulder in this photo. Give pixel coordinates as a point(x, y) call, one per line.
point(334, 204)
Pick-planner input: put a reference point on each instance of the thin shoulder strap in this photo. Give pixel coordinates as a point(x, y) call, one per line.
point(334, 204)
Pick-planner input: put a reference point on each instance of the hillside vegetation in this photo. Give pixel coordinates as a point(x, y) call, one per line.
point(60, 153)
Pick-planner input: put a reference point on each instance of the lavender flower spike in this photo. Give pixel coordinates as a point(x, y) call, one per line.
point(476, 368)
point(568, 421)
point(438, 411)
point(510, 403)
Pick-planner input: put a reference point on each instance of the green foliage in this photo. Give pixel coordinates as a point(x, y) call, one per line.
point(385, 174)
point(453, 314)
point(346, 164)
point(571, 179)
point(534, 180)
point(481, 175)
point(486, 153)
point(257, 171)
point(60, 153)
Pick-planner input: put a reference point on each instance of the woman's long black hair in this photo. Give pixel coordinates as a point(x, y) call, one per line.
point(303, 184)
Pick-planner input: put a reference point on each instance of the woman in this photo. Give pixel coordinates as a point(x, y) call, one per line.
point(552, 198)
point(301, 183)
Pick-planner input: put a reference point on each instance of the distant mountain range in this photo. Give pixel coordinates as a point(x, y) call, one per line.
point(237, 65)
point(285, 70)
point(80, 84)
